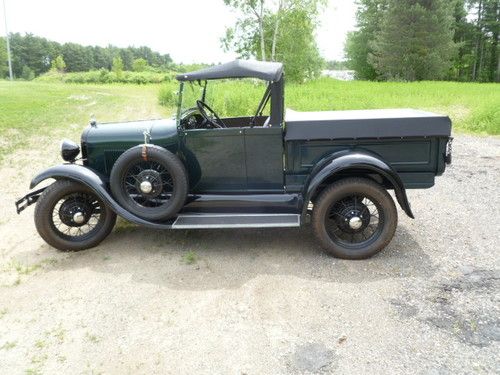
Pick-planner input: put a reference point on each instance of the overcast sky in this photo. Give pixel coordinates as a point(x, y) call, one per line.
point(189, 30)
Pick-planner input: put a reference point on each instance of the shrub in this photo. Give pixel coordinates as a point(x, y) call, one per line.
point(105, 76)
point(139, 65)
point(27, 74)
point(167, 96)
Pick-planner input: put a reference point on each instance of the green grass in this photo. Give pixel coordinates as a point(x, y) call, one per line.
point(473, 107)
point(31, 110)
point(190, 257)
point(8, 345)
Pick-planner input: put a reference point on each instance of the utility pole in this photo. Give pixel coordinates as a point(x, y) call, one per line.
point(8, 43)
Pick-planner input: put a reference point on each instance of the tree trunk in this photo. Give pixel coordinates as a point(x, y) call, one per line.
point(261, 30)
point(494, 61)
point(276, 28)
point(478, 40)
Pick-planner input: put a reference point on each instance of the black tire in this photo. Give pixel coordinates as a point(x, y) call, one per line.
point(348, 199)
point(64, 193)
point(163, 169)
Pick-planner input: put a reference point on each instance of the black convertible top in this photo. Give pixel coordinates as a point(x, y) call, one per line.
point(268, 71)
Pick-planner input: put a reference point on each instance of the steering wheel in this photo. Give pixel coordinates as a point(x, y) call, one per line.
point(209, 117)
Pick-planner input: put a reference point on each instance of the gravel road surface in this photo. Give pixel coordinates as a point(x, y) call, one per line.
point(259, 301)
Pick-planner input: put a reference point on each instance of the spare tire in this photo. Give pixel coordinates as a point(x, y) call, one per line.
point(150, 182)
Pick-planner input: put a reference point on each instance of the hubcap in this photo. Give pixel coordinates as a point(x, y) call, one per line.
point(146, 187)
point(355, 222)
point(148, 184)
point(77, 214)
point(79, 218)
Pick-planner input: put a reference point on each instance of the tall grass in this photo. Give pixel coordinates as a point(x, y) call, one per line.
point(473, 107)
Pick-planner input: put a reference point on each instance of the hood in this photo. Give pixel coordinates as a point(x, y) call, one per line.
point(162, 133)
point(102, 144)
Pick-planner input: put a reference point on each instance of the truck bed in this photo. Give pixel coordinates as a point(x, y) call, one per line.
point(365, 124)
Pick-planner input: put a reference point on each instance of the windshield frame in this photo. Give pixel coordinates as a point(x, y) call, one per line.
point(273, 97)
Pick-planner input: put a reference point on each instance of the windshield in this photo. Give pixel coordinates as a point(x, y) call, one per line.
point(229, 98)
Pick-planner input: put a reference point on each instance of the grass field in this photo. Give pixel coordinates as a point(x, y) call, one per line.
point(30, 110)
point(473, 107)
point(36, 109)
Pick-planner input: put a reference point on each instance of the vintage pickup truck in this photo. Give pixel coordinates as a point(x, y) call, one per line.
point(329, 169)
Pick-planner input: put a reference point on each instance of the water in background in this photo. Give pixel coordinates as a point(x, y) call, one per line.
point(343, 75)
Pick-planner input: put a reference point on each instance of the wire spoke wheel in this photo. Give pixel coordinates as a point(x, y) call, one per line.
point(77, 216)
point(354, 220)
point(148, 184)
point(70, 216)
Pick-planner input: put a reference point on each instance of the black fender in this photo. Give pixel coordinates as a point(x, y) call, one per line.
point(355, 159)
point(97, 183)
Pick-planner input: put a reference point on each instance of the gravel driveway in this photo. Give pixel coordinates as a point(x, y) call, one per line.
point(260, 301)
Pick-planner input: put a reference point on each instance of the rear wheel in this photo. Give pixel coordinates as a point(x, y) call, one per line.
point(69, 216)
point(354, 218)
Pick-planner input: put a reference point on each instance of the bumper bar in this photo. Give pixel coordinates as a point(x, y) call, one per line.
point(28, 200)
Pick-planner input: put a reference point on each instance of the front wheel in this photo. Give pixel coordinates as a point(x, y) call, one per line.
point(354, 218)
point(70, 217)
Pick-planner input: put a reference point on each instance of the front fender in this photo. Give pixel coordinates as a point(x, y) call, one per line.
point(361, 160)
point(97, 183)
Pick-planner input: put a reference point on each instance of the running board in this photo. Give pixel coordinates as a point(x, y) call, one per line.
point(206, 221)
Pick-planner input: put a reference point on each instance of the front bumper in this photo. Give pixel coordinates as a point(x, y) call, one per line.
point(28, 199)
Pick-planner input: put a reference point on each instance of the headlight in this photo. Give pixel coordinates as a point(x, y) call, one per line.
point(69, 150)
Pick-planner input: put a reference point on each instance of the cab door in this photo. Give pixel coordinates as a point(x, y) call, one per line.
point(215, 159)
point(264, 159)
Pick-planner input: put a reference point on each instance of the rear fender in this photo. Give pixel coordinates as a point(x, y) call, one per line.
point(343, 161)
point(97, 183)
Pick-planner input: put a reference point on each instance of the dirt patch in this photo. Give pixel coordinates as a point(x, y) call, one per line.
point(258, 301)
point(447, 306)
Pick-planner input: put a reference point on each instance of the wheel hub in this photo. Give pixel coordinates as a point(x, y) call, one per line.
point(146, 187)
point(354, 216)
point(355, 222)
point(149, 183)
point(75, 212)
point(79, 217)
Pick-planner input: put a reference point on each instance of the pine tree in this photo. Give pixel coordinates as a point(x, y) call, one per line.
point(359, 43)
point(3, 58)
point(415, 40)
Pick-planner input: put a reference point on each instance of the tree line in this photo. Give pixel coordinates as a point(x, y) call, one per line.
point(396, 40)
point(33, 56)
point(426, 40)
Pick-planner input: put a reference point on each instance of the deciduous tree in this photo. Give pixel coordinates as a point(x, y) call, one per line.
point(118, 66)
point(58, 64)
point(281, 30)
point(139, 65)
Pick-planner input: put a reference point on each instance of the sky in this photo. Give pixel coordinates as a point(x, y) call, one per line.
point(189, 30)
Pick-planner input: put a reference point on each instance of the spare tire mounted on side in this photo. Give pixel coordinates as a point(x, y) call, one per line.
point(150, 182)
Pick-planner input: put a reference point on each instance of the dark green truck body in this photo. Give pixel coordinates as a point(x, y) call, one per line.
point(284, 169)
point(245, 160)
